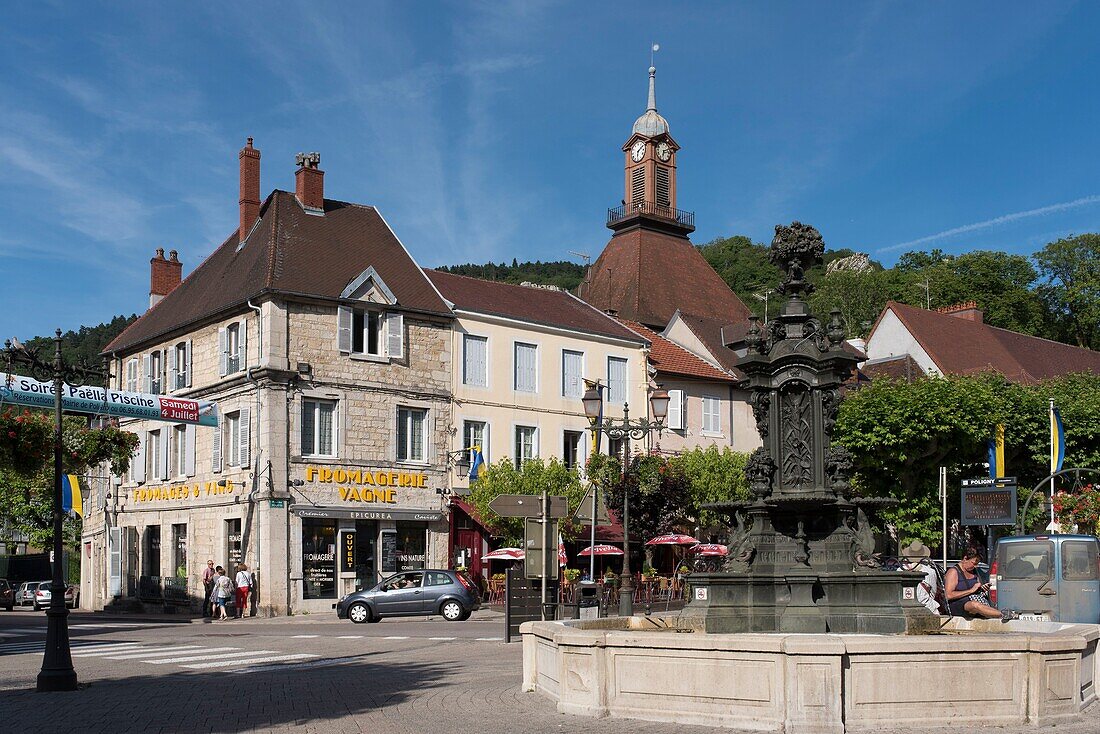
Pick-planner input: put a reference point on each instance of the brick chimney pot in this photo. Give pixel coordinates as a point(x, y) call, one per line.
point(250, 189)
point(310, 182)
point(164, 275)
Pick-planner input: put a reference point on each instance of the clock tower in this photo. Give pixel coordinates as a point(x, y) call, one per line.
point(649, 157)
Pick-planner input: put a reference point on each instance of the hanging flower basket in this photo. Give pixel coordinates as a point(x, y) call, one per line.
point(26, 440)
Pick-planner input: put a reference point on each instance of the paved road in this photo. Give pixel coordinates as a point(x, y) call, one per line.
point(308, 674)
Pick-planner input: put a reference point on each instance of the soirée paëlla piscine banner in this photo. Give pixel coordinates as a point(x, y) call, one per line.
point(19, 390)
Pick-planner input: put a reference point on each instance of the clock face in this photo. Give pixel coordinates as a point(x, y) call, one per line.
point(664, 151)
point(637, 151)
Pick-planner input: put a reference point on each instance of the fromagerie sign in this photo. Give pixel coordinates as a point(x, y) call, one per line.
point(366, 485)
point(97, 401)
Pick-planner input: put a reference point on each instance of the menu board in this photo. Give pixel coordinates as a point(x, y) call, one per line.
point(389, 552)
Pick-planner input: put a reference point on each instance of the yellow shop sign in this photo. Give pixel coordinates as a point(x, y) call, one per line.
point(366, 477)
point(182, 492)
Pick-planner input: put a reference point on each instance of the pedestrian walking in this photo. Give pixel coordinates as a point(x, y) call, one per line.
point(208, 587)
point(222, 593)
point(244, 587)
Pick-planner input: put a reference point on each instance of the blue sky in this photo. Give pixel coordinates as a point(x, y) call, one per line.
point(492, 131)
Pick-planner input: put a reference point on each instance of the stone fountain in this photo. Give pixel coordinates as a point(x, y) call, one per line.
point(801, 554)
point(803, 632)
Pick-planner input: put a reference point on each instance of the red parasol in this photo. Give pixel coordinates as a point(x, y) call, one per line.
point(710, 549)
point(673, 539)
point(504, 554)
point(601, 550)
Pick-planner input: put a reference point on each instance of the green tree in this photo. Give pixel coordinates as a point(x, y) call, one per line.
point(1071, 268)
point(26, 467)
point(712, 475)
point(744, 265)
point(859, 296)
point(82, 345)
point(536, 475)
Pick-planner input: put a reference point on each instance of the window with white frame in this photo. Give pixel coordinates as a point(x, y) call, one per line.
point(572, 450)
point(153, 455)
point(616, 380)
point(526, 444)
point(475, 434)
point(370, 332)
point(475, 360)
point(179, 366)
point(526, 367)
point(231, 441)
point(572, 374)
point(712, 414)
point(412, 439)
point(155, 374)
point(132, 367)
point(366, 333)
point(318, 427)
point(177, 452)
point(233, 358)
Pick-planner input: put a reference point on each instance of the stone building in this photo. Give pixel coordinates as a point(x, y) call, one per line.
point(327, 352)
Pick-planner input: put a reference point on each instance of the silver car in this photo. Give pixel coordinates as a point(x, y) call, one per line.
point(450, 594)
point(25, 595)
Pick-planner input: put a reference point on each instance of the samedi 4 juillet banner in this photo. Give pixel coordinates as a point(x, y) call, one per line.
point(19, 390)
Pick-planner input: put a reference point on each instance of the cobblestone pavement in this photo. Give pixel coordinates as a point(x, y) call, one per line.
point(315, 675)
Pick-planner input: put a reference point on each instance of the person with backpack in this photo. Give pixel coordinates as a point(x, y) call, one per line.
point(244, 587)
point(223, 591)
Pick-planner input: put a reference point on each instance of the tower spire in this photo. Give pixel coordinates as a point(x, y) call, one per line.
point(652, 94)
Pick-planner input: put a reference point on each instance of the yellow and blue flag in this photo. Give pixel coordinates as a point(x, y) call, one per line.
point(1057, 441)
point(476, 462)
point(997, 453)
point(71, 500)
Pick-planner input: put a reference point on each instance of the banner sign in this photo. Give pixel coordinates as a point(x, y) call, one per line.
point(989, 501)
point(19, 390)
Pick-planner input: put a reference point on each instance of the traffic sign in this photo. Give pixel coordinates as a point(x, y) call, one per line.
point(584, 510)
point(534, 551)
point(528, 505)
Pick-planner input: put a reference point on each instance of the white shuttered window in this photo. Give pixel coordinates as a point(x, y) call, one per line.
point(475, 352)
point(526, 367)
point(616, 380)
point(572, 371)
point(712, 414)
point(675, 419)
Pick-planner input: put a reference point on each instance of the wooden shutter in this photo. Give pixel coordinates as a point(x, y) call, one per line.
point(475, 365)
point(138, 462)
point(343, 329)
point(223, 351)
point(162, 459)
point(216, 452)
point(189, 449)
point(187, 362)
point(395, 335)
point(173, 370)
point(242, 344)
point(675, 419)
point(246, 455)
point(147, 371)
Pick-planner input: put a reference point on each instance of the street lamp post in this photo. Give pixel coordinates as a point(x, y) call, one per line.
point(57, 672)
point(624, 429)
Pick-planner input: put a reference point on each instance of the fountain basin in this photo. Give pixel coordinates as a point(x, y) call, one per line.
point(669, 669)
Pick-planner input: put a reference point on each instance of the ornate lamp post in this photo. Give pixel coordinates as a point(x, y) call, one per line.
point(57, 672)
point(624, 429)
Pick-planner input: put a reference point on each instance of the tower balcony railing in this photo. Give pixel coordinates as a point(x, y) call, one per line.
point(626, 211)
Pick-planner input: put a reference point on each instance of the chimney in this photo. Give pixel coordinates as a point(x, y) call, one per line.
point(250, 189)
point(164, 275)
point(310, 182)
point(968, 311)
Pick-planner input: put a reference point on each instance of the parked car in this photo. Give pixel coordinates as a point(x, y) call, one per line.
point(7, 595)
point(26, 591)
point(1048, 577)
point(451, 594)
point(43, 596)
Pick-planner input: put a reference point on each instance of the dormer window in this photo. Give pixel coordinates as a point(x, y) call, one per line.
point(232, 343)
point(366, 333)
point(370, 333)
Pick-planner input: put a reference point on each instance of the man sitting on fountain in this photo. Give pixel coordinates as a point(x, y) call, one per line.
point(967, 595)
point(914, 557)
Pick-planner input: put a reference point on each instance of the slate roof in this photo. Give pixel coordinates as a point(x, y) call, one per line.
point(289, 251)
point(531, 304)
point(715, 334)
point(960, 346)
point(673, 359)
point(646, 276)
point(901, 367)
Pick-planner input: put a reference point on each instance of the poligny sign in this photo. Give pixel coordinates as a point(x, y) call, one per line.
point(19, 390)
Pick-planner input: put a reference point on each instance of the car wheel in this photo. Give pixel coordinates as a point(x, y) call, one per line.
point(465, 615)
point(452, 611)
point(359, 613)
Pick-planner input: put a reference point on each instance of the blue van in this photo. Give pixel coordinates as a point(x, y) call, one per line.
point(1052, 578)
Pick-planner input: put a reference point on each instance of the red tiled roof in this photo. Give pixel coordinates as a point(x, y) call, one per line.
point(960, 346)
point(293, 252)
point(716, 334)
point(528, 303)
point(646, 276)
point(673, 359)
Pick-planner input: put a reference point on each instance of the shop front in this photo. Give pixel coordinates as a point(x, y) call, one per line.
point(361, 525)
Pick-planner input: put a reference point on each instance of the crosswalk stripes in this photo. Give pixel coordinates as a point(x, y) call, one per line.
point(19, 648)
point(349, 637)
point(442, 639)
point(207, 655)
point(249, 661)
point(304, 637)
point(395, 637)
point(489, 639)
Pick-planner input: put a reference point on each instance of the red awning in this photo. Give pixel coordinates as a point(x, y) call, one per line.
point(474, 515)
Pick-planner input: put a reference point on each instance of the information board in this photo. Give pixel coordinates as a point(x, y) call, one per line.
point(347, 552)
point(389, 552)
point(987, 501)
